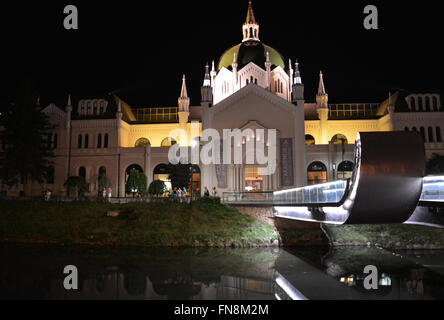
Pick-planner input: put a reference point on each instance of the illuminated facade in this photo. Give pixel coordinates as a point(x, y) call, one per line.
point(252, 86)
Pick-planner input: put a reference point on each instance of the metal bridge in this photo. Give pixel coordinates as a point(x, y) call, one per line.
point(387, 186)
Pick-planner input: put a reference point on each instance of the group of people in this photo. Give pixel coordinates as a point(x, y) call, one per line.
point(213, 192)
point(177, 193)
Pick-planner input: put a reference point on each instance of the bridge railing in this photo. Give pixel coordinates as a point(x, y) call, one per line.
point(325, 194)
point(265, 197)
point(433, 189)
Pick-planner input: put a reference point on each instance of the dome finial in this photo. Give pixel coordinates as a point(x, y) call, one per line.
point(250, 29)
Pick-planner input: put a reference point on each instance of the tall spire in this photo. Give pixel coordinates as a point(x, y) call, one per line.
point(321, 90)
point(183, 92)
point(184, 100)
point(297, 74)
point(250, 29)
point(250, 14)
point(322, 96)
point(207, 79)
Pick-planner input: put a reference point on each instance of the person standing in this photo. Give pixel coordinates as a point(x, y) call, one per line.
point(206, 192)
point(110, 194)
point(214, 192)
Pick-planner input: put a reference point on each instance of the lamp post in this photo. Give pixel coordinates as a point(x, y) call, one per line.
point(191, 190)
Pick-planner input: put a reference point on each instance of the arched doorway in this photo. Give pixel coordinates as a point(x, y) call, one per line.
point(316, 173)
point(195, 179)
point(162, 172)
point(345, 170)
point(132, 168)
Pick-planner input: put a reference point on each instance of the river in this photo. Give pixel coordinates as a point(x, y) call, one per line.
point(36, 272)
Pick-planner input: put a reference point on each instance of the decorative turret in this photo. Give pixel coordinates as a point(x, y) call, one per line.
point(322, 108)
point(322, 96)
point(297, 93)
point(234, 65)
point(184, 104)
point(68, 109)
point(250, 29)
point(206, 90)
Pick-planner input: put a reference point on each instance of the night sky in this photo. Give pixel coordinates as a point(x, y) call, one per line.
point(140, 49)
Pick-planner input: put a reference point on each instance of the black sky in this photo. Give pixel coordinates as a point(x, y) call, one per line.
point(141, 49)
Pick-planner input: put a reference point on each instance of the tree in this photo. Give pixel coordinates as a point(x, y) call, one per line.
point(76, 183)
point(24, 133)
point(435, 165)
point(136, 181)
point(157, 188)
point(180, 175)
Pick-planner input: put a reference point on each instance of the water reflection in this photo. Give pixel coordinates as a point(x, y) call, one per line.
point(36, 272)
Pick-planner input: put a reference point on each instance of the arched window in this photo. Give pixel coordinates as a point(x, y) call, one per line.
point(95, 107)
point(168, 142)
point(420, 105)
point(309, 140)
point(102, 171)
point(99, 140)
point(251, 32)
point(82, 172)
point(105, 142)
point(423, 133)
point(79, 141)
point(412, 104)
point(89, 108)
point(438, 134)
point(142, 143)
point(435, 103)
point(316, 173)
point(406, 129)
point(339, 139)
point(431, 138)
point(102, 105)
point(345, 170)
point(82, 108)
point(50, 175)
point(54, 141)
point(86, 141)
point(427, 103)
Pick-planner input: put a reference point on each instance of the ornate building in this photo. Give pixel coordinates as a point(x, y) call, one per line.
point(251, 87)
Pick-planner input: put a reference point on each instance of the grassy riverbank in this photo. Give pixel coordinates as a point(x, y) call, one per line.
point(206, 223)
point(390, 236)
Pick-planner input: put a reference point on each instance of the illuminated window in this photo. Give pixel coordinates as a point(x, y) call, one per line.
point(253, 179)
point(316, 173)
point(142, 143)
point(168, 142)
point(309, 140)
point(345, 170)
point(339, 139)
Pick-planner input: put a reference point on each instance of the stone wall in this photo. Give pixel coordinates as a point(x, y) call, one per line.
point(393, 236)
point(292, 232)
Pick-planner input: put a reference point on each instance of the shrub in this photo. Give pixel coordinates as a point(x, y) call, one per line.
point(157, 188)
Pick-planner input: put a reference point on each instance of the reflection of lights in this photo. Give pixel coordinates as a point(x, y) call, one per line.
point(349, 281)
point(249, 188)
point(291, 291)
point(385, 281)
